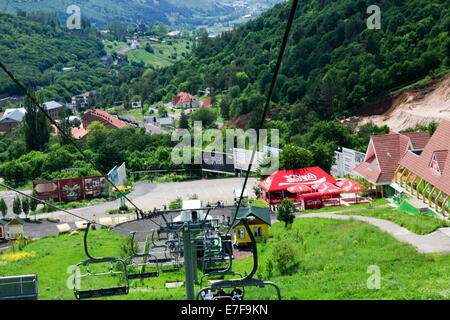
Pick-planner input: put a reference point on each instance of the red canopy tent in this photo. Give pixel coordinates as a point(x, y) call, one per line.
point(276, 185)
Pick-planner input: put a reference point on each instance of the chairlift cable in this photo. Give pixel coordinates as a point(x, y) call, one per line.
point(266, 107)
point(49, 204)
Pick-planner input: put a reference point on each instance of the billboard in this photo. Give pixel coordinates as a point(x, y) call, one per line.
point(217, 162)
point(346, 161)
point(94, 187)
point(47, 190)
point(118, 175)
point(242, 159)
point(71, 189)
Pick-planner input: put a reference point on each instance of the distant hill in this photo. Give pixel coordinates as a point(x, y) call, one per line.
point(48, 56)
point(188, 13)
point(334, 63)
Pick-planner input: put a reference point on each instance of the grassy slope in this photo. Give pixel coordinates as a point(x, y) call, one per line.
point(420, 224)
point(156, 59)
point(333, 265)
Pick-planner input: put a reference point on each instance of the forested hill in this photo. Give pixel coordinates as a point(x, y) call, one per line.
point(36, 54)
point(130, 12)
point(333, 65)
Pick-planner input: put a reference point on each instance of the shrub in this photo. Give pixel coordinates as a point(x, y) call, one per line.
point(285, 256)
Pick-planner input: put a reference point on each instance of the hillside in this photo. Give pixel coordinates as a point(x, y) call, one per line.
point(36, 54)
point(333, 65)
point(420, 105)
point(188, 14)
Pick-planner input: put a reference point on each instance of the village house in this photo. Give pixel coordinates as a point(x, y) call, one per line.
point(11, 119)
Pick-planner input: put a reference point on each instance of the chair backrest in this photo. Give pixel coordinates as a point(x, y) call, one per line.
point(22, 287)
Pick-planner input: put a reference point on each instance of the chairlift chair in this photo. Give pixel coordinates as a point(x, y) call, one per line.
point(102, 292)
point(148, 261)
point(168, 261)
point(247, 281)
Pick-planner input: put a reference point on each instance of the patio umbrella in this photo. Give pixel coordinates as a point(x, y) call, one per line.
point(353, 186)
point(328, 189)
point(299, 188)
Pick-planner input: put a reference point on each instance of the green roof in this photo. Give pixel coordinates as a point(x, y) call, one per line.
point(261, 213)
point(19, 220)
point(3, 222)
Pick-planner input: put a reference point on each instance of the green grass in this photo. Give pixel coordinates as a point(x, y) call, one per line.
point(334, 259)
point(377, 202)
point(161, 57)
point(420, 224)
point(332, 264)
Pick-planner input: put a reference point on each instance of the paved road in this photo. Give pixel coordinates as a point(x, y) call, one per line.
point(154, 195)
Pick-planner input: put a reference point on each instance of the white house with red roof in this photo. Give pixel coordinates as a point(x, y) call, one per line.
point(184, 100)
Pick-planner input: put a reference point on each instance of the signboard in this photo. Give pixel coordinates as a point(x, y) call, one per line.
point(118, 175)
point(94, 187)
point(72, 189)
point(217, 162)
point(47, 190)
point(242, 159)
point(338, 168)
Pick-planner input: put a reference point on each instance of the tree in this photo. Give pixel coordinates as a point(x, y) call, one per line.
point(184, 121)
point(295, 157)
point(286, 212)
point(206, 115)
point(26, 206)
point(3, 207)
point(33, 203)
point(36, 126)
point(17, 208)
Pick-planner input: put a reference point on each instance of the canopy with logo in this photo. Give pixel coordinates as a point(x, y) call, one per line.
point(283, 179)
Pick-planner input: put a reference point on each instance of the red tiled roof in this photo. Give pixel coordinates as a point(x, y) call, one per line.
point(181, 97)
point(79, 132)
point(418, 139)
point(105, 118)
point(206, 103)
point(387, 151)
point(420, 164)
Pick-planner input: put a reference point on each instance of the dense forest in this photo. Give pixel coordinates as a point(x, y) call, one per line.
point(334, 63)
point(35, 49)
point(130, 12)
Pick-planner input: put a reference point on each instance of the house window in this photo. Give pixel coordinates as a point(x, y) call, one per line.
point(240, 233)
point(434, 164)
point(257, 231)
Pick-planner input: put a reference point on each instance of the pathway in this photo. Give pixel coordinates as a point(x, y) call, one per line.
point(435, 242)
